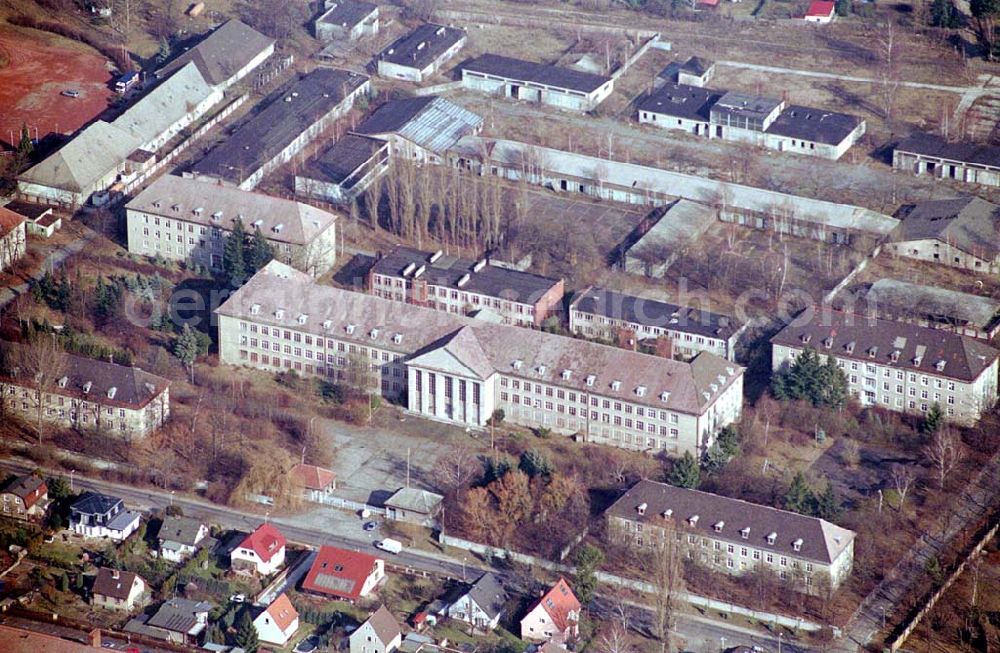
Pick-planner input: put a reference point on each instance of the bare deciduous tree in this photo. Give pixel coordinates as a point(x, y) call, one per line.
point(615, 640)
point(456, 468)
point(668, 581)
point(42, 364)
point(944, 451)
point(902, 477)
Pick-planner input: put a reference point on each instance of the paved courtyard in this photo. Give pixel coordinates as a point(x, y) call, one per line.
point(370, 461)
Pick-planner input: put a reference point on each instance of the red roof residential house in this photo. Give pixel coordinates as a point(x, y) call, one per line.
point(820, 11)
point(278, 622)
point(262, 551)
point(314, 481)
point(556, 616)
point(344, 574)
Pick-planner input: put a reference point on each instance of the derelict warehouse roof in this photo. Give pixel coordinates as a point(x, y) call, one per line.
point(422, 46)
point(289, 112)
point(935, 146)
point(632, 176)
point(537, 73)
point(817, 125)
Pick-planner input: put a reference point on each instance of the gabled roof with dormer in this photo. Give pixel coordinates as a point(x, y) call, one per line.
point(733, 520)
point(904, 346)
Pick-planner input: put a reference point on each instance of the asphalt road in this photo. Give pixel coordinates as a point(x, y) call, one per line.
point(700, 633)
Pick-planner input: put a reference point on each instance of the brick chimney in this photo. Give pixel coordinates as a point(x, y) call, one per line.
point(665, 347)
point(94, 638)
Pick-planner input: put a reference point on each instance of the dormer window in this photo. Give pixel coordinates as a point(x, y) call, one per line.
point(849, 347)
point(350, 328)
point(917, 360)
point(873, 352)
point(111, 392)
point(373, 334)
point(894, 356)
point(198, 211)
point(398, 338)
point(590, 380)
point(664, 396)
point(828, 342)
point(541, 369)
point(693, 520)
point(718, 526)
point(939, 366)
point(255, 309)
point(217, 216)
point(745, 533)
point(63, 381)
point(668, 513)
point(518, 363)
point(87, 386)
point(279, 314)
point(641, 508)
point(302, 318)
point(566, 374)
point(616, 385)
point(772, 537)
point(797, 544)
point(714, 387)
point(806, 337)
point(327, 324)
point(640, 391)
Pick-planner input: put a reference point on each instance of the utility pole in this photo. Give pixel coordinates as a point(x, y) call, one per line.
point(407, 467)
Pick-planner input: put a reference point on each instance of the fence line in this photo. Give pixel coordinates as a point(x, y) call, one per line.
point(795, 623)
point(897, 643)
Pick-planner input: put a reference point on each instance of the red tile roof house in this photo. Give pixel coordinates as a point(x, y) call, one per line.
point(347, 575)
point(26, 498)
point(556, 616)
point(316, 482)
point(820, 11)
point(277, 623)
point(261, 552)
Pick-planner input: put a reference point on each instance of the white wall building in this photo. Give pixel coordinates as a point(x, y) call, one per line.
point(895, 365)
point(181, 219)
point(732, 536)
point(461, 370)
point(420, 53)
point(564, 88)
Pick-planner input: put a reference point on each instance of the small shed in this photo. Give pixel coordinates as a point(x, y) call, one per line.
point(414, 506)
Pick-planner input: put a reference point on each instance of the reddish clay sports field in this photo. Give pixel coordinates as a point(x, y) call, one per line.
point(39, 67)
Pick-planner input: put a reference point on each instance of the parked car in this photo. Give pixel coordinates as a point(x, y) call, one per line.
point(238, 598)
point(70, 92)
point(308, 645)
point(370, 525)
point(390, 545)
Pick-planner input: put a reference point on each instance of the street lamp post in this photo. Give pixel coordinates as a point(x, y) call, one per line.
point(71, 472)
point(463, 569)
point(723, 640)
point(171, 498)
point(779, 641)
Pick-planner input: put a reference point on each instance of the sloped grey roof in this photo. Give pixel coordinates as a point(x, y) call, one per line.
point(538, 73)
point(182, 530)
point(223, 52)
point(422, 46)
point(937, 304)
point(78, 165)
point(134, 387)
point(697, 65)
point(300, 223)
point(431, 122)
point(681, 224)
point(969, 223)
point(287, 113)
point(448, 270)
point(415, 500)
point(872, 339)
point(935, 146)
point(542, 356)
point(646, 311)
point(166, 104)
point(820, 540)
point(95, 503)
point(178, 615)
point(681, 101)
point(699, 189)
point(347, 13)
point(488, 594)
point(818, 125)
